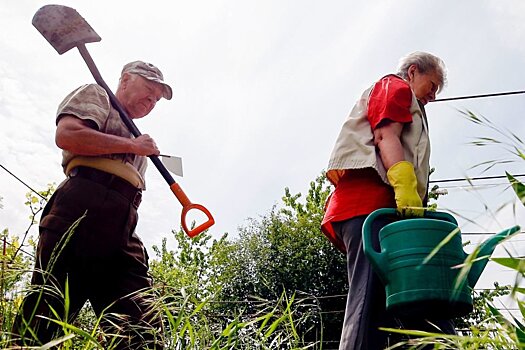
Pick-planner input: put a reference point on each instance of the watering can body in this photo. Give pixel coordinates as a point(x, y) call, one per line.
point(418, 264)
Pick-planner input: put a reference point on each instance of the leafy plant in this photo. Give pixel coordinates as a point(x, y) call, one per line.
point(16, 260)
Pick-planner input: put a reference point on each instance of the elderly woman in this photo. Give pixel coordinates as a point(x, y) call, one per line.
point(381, 160)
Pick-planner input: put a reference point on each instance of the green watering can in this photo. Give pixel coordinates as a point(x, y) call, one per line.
point(415, 288)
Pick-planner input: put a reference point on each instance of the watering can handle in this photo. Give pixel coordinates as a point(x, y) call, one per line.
point(377, 259)
point(439, 215)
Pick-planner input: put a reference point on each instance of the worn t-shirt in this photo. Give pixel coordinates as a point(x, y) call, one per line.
point(91, 102)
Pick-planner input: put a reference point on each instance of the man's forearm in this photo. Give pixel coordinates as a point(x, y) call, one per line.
point(90, 142)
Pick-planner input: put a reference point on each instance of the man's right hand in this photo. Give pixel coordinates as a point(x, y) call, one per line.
point(402, 177)
point(144, 145)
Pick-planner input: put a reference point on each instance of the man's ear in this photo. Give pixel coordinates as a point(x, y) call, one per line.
point(124, 80)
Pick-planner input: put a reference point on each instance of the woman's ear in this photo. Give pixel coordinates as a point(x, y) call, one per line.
point(411, 71)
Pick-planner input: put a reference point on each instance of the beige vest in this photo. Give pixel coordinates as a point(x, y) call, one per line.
point(355, 149)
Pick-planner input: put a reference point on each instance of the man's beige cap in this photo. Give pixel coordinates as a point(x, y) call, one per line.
point(150, 72)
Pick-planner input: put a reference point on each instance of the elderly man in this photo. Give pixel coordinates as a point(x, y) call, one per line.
point(99, 257)
point(381, 159)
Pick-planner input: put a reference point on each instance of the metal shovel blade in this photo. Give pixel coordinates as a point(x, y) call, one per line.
point(63, 27)
point(173, 164)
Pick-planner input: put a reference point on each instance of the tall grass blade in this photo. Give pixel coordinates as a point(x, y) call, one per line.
point(517, 264)
point(56, 342)
point(441, 244)
point(519, 153)
point(518, 187)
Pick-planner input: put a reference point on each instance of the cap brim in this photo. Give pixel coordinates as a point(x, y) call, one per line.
point(167, 93)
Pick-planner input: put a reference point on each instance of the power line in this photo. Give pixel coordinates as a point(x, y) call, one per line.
point(475, 186)
point(474, 178)
point(19, 248)
point(26, 185)
point(484, 233)
point(309, 297)
point(479, 96)
point(431, 181)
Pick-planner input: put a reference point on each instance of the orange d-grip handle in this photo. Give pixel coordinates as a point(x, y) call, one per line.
point(201, 227)
point(186, 207)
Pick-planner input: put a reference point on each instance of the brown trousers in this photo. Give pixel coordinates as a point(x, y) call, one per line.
point(102, 260)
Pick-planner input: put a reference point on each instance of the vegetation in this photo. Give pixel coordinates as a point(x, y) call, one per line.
point(269, 288)
point(278, 284)
point(282, 256)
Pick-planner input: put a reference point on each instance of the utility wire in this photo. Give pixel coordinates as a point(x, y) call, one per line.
point(479, 96)
point(21, 250)
point(474, 178)
point(488, 233)
point(26, 185)
point(310, 297)
point(431, 181)
point(473, 186)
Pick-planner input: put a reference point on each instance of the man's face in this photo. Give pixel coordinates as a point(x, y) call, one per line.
point(138, 95)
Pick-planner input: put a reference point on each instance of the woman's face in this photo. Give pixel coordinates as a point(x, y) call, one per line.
point(424, 85)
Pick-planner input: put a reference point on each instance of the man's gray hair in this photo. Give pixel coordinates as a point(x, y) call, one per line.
point(425, 63)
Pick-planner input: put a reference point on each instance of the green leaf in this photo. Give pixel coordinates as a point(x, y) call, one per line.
point(517, 264)
point(520, 153)
point(274, 326)
point(521, 337)
point(519, 290)
point(521, 306)
point(57, 342)
point(518, 187)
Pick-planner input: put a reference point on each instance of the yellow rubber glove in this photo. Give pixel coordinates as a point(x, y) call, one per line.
point(403, 179)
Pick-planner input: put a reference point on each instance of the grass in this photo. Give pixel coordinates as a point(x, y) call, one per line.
point(188, 324)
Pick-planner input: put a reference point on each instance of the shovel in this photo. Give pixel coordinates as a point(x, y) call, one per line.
point(65, 29)
point(172, 163)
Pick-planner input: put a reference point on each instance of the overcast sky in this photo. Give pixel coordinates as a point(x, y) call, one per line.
point(261, 89)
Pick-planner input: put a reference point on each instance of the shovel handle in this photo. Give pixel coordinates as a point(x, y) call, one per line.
point(186, 207)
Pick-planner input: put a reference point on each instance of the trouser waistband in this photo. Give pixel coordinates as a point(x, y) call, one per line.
point(112, 182)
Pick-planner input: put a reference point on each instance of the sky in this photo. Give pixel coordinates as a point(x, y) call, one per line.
point(261, 89)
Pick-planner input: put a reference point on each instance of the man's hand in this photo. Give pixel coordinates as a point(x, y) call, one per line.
point(402, 177)
point(144, 145)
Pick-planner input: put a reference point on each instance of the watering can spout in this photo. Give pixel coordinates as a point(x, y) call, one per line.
point(485, 251)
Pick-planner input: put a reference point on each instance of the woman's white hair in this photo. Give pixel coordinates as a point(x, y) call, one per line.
point(425, 63)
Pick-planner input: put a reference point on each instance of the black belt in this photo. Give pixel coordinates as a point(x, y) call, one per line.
point(112, 182)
